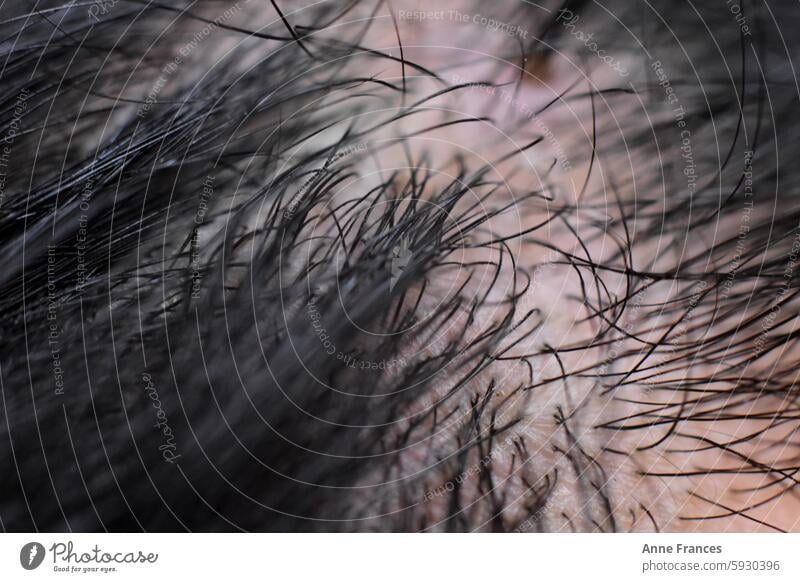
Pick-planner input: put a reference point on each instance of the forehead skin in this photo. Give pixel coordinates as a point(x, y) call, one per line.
point(641, 452)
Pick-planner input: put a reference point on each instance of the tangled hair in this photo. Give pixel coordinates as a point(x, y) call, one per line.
point(280, 268)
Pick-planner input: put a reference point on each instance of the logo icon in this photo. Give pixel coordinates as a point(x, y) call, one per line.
point(401, 256)
point(31, 555)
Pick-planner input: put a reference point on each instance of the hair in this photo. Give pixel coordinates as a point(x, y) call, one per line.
point(251, 282)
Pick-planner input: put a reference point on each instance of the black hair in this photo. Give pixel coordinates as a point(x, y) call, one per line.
point(235, 297)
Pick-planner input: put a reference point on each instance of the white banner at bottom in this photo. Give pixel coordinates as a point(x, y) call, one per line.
point(400, 557)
